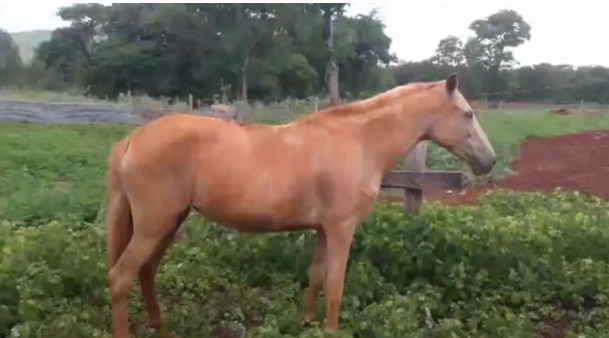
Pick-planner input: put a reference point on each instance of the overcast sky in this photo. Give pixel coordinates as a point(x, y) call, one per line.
point(566, 31)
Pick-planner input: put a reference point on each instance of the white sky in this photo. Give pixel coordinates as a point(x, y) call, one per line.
point(563, 31)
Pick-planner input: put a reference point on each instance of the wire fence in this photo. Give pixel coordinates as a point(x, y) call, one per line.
point(489, 101)
point(576, 107)
point(37, 107)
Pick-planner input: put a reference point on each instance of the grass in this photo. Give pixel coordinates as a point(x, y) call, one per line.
point(44, 167)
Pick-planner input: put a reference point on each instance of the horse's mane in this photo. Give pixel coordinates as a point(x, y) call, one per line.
point(379, 100)
point(359, 107)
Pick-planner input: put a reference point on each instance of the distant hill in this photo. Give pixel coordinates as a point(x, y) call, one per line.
point(29, 40)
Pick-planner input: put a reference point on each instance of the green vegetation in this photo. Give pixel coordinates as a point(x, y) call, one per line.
point(504, 269)
point(54, 172)
point(270, 52)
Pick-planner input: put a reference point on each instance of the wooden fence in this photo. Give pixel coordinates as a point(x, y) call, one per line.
point(416, 179)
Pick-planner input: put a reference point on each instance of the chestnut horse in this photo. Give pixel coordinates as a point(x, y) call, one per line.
point(321, 172)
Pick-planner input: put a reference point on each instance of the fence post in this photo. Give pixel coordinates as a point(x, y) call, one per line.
point(190, 101)
point(415, 161)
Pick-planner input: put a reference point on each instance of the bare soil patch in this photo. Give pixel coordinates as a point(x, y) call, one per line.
point(576, 162)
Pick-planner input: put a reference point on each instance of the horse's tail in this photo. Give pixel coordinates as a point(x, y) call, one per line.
point(119, 223)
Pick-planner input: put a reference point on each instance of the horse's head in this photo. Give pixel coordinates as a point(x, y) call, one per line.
point(454, 126)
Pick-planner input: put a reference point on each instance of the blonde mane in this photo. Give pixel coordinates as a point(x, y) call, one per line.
point(365, 107)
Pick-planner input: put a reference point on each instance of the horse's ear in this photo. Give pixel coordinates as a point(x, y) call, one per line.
point(452, 83)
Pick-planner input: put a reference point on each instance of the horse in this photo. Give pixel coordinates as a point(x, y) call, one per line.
point(321, 172)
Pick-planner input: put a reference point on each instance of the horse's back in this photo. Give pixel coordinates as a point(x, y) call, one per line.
point(177, 135)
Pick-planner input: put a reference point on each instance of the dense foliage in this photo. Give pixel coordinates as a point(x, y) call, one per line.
point(508, 268)
point(274, 51)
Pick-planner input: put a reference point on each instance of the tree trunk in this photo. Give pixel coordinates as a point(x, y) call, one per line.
point(331, 67)
point(332, 82)
point(244, 80)
point(246, 63)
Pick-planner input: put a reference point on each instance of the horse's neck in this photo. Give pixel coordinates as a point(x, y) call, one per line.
point(390, 131)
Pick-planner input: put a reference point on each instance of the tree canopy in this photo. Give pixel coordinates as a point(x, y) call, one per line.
point(269, 52)
point(10, 61)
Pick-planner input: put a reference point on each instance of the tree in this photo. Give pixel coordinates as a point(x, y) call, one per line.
point(449, 52)
point(330, 11)
point(10, 60)
point(70, 50)
point(495, 34)
point(272, 51)
point(251, 29)
point(86, 24)
point(500, 31)
point(361, 46)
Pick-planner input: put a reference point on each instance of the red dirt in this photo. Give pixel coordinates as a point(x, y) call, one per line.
point(577, 162)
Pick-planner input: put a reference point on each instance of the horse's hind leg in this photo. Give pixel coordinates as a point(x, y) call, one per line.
point(147, 278)
point(149, 232)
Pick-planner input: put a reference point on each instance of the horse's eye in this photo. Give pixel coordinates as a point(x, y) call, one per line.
point(469, 114)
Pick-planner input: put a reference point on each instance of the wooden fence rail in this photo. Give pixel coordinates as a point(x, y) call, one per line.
point(416, 178)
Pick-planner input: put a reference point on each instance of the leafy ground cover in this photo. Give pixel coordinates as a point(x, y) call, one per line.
point(508, 268)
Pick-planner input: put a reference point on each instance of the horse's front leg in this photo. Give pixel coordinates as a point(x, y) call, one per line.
point(316, 276)
point(339, 236)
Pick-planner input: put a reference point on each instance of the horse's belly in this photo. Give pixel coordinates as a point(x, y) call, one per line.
point(264, 201)
point(258, 223)
point(250, 227)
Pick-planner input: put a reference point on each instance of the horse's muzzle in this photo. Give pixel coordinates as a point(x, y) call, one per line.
point(483, 168)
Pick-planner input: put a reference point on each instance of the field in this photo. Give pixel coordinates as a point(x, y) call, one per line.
point(513, 264)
